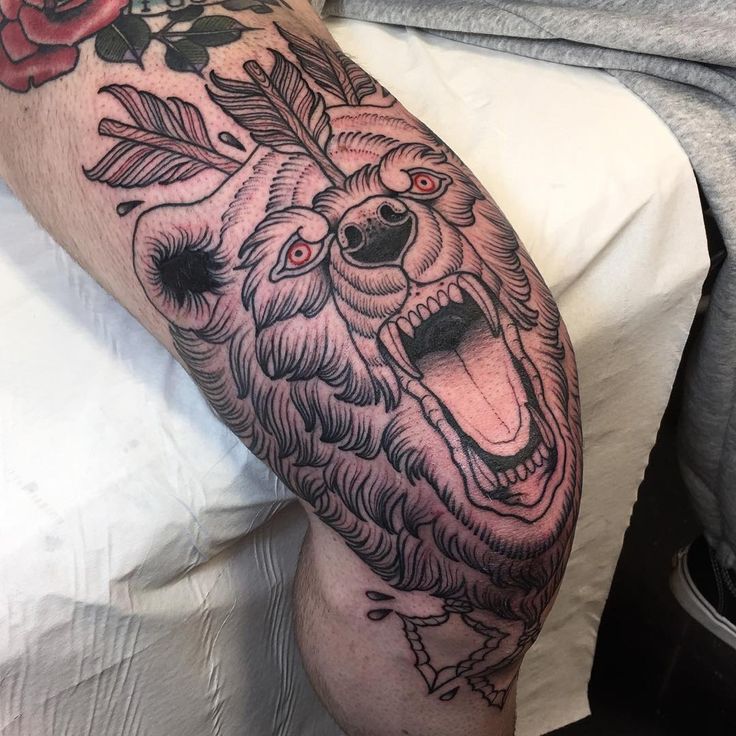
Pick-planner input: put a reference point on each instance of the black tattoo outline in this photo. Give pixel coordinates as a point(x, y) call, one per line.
point(376, 257)
point(39, 42)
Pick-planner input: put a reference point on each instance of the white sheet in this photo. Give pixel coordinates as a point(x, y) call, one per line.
point(146, 557)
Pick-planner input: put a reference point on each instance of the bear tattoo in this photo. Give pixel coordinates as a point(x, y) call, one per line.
point(360, 313)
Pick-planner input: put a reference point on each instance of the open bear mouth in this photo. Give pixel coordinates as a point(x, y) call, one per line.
point(450, 338)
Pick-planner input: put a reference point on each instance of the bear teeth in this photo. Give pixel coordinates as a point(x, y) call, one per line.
point(391, 339)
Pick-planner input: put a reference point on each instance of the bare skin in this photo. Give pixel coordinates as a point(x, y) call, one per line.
point(356, 309)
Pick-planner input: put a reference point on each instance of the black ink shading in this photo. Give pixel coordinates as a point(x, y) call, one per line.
point(450, 694)
point(124, 41)
point(376, 596)
point(378, 614)
point(230, 140)
point(125, 208)
point(38, 56)
point(342, 298)
point(186, 37)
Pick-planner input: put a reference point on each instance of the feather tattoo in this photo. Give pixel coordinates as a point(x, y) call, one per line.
point(279, 110)
point(332, 70)
point(167, 142)
point(377, 335)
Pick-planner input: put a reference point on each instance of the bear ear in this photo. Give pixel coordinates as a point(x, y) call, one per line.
point(180, 265)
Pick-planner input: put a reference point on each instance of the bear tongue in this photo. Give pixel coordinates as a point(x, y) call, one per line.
point(479, 385)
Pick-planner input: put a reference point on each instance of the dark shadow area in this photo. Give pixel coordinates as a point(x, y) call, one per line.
point(657, 672)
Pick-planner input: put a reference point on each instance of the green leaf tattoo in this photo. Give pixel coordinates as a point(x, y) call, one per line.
point(124, 41)
point(213, 30)
point(186, 14)
point(184, 55)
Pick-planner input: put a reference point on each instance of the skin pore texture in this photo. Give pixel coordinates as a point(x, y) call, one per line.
point(354, 306)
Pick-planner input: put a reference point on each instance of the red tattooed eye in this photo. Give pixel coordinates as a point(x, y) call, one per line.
point(424, 183)
point(299, 253)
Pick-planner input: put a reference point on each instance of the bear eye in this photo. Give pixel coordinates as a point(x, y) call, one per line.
point(426, 183)
point(299, 253)
point(297, 257)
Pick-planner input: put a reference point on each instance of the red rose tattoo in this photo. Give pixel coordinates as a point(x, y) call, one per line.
point(38, 38)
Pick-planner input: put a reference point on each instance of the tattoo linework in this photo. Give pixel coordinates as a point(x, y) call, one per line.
point(39, 40)
point(360, 313)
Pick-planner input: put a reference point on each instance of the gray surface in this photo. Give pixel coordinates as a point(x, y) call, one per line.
point(680, 58)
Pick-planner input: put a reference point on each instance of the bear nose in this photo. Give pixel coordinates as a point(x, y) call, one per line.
point(376, 232)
